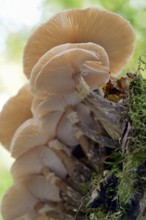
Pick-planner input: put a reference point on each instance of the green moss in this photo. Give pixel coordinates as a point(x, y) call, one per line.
point(128, 166)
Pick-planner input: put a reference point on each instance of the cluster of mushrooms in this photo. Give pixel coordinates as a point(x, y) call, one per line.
point(74, 53)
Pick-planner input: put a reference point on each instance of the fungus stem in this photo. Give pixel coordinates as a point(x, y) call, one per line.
point(82, 89)
point(50, 176)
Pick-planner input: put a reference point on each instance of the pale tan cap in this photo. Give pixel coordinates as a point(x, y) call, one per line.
point(14, 113)
point(89, 59)
point(57, 75)
point(107, 29)
point(33, 133)
point(33, 162)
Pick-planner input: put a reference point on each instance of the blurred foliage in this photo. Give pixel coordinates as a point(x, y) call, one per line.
point(5, 182)
point(64, 4)
point(15, 41)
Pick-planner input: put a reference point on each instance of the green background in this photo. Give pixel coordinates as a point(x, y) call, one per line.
point(14, 40)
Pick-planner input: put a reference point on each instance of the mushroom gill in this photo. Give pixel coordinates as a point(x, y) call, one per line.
point(109, 30)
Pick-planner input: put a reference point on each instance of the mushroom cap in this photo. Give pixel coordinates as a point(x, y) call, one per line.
point(21, 218)
point(35, 103)
point(65, 133)
point(33, 133)
point(107, 29)
point(100, 53)
point(56, 76)
point(14, 113)
point(27, 136)
point(24, 195)
point(17, 201)
point(32, 215)
point(41, 108)
point(33, 161)
point(42, 189)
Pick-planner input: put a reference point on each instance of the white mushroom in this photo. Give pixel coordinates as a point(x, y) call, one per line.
point(25, 194)
point(17, 201)
point(34, 133)
point(54, 103)
point(33, 162)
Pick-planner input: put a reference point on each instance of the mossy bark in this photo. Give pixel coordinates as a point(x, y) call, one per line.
point(117, 189)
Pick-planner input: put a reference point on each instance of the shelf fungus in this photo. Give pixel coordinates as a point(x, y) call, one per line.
point(59, 127)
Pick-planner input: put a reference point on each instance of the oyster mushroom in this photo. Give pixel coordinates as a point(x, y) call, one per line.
point(17, 196)
point(107, 29)
point(66, 131)
point(14, 113)
point(34, 133)
point(33, 162)
point(42, 160)
point(89, 69)
point(61, 74)
point(54, 103)
point(25, 194)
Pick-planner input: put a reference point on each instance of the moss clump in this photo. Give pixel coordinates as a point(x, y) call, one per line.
point(132, 177)
point(127, 166)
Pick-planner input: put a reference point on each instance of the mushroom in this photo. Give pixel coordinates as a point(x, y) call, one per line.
point(34, 161)
point(54, 103)
point(14, 113)
point(25, 194)
point(34, 132)
point(61, 73)
point(34, 194)
point(65, 129)
point(107, 29)
point(42, 160)
point(101, 61)
point(17, 201)
point(66, 132)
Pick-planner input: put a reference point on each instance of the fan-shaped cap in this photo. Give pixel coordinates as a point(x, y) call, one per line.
point(56, 76)
point(17, 201)
point(33, 161)
point(14, 113)
point(27, 136)
point(25, 194)
point(42, 189)
point(101, 60)
point(41, 108)
point(65, 132)
point(33, 133)
point(99, 26)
